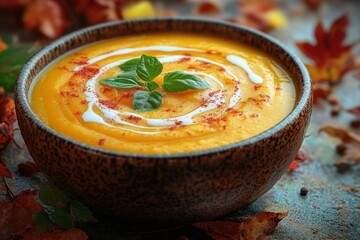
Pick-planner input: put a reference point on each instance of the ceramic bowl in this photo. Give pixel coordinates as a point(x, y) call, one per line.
point(169, 188)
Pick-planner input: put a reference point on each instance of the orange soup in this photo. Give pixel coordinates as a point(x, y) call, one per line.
point(249, 93)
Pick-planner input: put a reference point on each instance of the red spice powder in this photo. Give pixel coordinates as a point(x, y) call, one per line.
point(178, 123)
point(101, 141)
point(278, 88)
point(254, 115)
point(64, 68)
point(77, 113)
point(193, 68)
point(187, 54)
point(106, 89)
point(87, 72)
point(184, 59)
point(83, 102)
point(134, 118)
point(109, 103)
point(214, 52)
point(257, 87)
point(235, 112)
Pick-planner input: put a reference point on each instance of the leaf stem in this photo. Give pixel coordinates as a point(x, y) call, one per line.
point(9, 189)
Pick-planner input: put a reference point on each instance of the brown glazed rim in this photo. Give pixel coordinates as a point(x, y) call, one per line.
point(302, 99)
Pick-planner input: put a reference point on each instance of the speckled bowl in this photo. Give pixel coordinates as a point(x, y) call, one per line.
point(170, 188)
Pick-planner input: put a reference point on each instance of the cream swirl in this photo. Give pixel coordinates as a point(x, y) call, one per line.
point(213, 100)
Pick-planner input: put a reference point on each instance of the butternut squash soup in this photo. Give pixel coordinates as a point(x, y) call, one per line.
point(163, 93)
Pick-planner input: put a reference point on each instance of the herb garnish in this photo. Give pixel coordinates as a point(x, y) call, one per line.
point(141, 72)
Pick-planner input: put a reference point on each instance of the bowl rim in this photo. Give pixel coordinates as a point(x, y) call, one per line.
point(22, 100)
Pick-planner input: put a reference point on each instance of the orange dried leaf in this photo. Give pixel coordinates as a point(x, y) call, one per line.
point(350, 156)
point(208, 7)
point(312, 4)
point(3, 45)
point(299, 158)
point(355, 111)
point(346, 135)
point(261, 225)
point(256, 227)
point(7, 119)
point(47, 16)
point(261, 15)
point(4, 171)
point(16, 215)
point(293, 166)
point(331, 57)
point(72, 234)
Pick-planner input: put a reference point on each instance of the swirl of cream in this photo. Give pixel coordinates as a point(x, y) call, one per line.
point(214, 100)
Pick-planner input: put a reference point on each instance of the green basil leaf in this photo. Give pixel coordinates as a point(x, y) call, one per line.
point(146, 101)
point(181, 81)
point(80, 213)
point(130, 66)
point(54, 197)
point(42, 221)
point(62, 219)
point(123, 81)
point(152, 86)
point(149, 68)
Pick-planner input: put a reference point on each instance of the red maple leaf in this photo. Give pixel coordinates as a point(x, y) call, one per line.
point(7, 119)
point(258, 226)
point(47, 16)
point(331, 57)
point(354, 111)
point(299, 158)
point(16, 215)
point(4, 171)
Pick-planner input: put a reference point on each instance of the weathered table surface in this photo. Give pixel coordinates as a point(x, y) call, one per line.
point(330, 210)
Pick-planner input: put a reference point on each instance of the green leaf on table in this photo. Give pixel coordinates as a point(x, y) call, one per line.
point(62, 219)
point(178, 81)
point(123, 81)
point(148, 68)
point(12, 60)
point(130, 66)
point(146, 101)
point(54, 197)
point(42, 221)
point(80, 213)
point(152, 86)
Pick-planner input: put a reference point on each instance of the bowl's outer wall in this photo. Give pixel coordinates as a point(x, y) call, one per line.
point(165, 189)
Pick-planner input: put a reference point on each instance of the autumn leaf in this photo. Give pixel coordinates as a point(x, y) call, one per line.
point(261, 15)
point(71, 234)
point(47, 16)
point(332, 58)
point(354, 111)
point(260, 225)
point(346, 135)
point(7, 119)
point(208, 7)
point(313, 4)
point(256, 227)
point(352, 140)
point(12, 58)
point(299, 158)
point(16, 215)
point(4, 171)
point(3, 45)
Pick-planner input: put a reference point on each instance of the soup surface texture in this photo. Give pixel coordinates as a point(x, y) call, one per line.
point(249, 93)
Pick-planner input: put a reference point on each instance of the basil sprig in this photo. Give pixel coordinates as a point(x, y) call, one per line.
point(141, 72)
